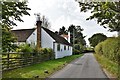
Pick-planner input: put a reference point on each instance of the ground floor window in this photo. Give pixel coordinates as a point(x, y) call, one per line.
point(64, 47)
point(58, 47)
point(68, 47)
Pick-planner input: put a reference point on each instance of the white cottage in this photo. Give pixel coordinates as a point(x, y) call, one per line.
point(47, 39)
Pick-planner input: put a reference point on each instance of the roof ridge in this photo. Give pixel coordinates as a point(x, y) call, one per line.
point(53, 32)
point(23, 34)
point(23, 29)
point(57, 37)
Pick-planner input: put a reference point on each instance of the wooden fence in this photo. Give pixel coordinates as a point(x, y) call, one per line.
point(17, 60)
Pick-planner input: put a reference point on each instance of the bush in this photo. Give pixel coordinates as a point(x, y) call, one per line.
point(75, 51)
point(24, 48)
point(98, 48)
point(78, 49)
point(45, 53)
point(110, 48)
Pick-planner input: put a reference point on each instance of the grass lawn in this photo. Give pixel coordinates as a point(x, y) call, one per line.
point(38, 69)
point(110, 66)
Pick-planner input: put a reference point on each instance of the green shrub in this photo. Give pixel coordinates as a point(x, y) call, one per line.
point(75, 51)
point(110, 48)
point(110, 66)
point(25, 48)
point(98, 48)
point(45, 53)
point(78, 49)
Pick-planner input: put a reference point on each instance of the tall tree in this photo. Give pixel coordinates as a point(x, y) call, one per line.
point(76, 34)
point(56, 32)
point(106, 13)
point(11, 12)
point(62, 31)
point(77, 38)
point(71, 29)
point(45, 22)
point(97, 38)
point(7, 40)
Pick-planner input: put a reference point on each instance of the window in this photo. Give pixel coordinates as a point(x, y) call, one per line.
point(58, 47)
point(64, 47)
point(68, 47)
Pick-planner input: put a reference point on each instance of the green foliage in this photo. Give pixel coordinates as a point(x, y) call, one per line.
point(77, 39)
point(78, 49)
point(62, 31)
point(106, 13)
point(110, 48)
point(42, 53)
point(11, 12)
point(97, 38)
point(45, 53)
point(98, 48)
point(76, 35)
point(75, 51)
point(38, 69)
point(7, 41)
point(25, 48)
point(110, 66)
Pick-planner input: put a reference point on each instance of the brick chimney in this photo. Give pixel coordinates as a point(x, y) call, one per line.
point(38, 24)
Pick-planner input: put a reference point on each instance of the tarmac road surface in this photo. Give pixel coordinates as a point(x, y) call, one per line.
point(83, 67)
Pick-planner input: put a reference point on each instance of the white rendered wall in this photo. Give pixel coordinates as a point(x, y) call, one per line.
point(62, 52)
point(46, 40)
point(33, 38)
point(118, 33)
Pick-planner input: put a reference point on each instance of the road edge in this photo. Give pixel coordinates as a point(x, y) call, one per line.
point(64, 66)
point(107, 73)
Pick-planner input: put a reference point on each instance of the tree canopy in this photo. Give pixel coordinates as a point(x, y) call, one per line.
point(97, 38)
point(62, 30)
point(45, 22)
point(77, 38)
point(76, 34)
point(106, 13)
point(11, 12)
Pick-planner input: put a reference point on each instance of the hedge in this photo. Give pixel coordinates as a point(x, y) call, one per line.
point(109, 48)
point(45, 53)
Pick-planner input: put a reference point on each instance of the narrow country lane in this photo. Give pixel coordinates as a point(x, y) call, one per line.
point(84, 67)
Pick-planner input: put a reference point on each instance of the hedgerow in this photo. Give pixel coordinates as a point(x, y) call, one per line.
point(109, 48)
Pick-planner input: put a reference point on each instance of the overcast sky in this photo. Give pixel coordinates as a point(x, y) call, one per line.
point(61, 13)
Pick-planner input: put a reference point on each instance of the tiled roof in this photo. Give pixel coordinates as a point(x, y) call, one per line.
point(23, 34)
point(57, 38)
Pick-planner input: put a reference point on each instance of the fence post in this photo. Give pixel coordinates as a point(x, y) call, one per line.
point(8, 60)
point(118, 66)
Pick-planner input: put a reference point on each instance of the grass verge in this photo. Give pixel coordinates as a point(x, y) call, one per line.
point(39, 69)
point(108, 65)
